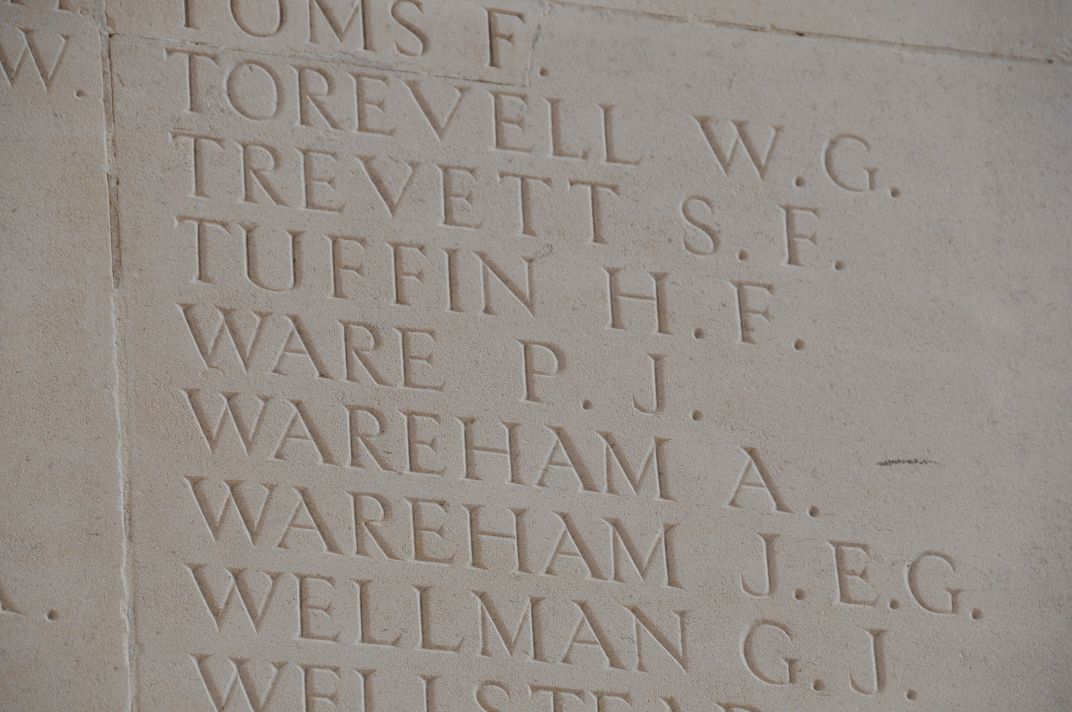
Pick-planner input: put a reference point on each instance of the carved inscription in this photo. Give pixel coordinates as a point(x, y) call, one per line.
point(430, 343)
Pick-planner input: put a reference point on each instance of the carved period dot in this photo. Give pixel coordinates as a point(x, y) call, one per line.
point(79, 93)
point(895, 192)
point(52, 615)
point(742, 255)
point(698, 333)
point(894, 604)
point(976, 614)
point(544, 72)
point(839, 265)
point(911, 694)
point(799, 344)
point(799, 182)
point(697, 415)
point(799, 594)
point(818, 685)
point(813, 511)
point(586, 404)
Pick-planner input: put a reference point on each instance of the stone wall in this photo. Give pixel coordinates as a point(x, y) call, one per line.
point(511, 356)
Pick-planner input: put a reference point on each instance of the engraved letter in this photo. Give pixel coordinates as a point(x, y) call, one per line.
point(745, 310)
point(952, 602)
point(878, 666)
point(528, 356)
point(846, 573)
point(765, 481)
point(497, 34)
point(769, 573)
point(740, 138)
point(828, 163)
point(708, 240)
point(752, 663)
point(792, 254)
point(657, 297)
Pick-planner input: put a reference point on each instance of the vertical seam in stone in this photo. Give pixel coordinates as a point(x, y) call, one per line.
point(119, 396)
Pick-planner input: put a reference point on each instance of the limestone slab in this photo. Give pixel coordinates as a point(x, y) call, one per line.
point(62, 606)
point(1039, 30)
point(1022, 28)
point(689, 366)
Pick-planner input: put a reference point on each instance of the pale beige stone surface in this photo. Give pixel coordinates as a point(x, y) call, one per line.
point(1038, 30)
point(1029, 29)
point(900, 382)
point(623, 361)
point(62, 609)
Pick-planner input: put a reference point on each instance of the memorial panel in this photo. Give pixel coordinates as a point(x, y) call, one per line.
point(63, 625)
point(396, 31)
point(599, 356)
point(689, 368)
